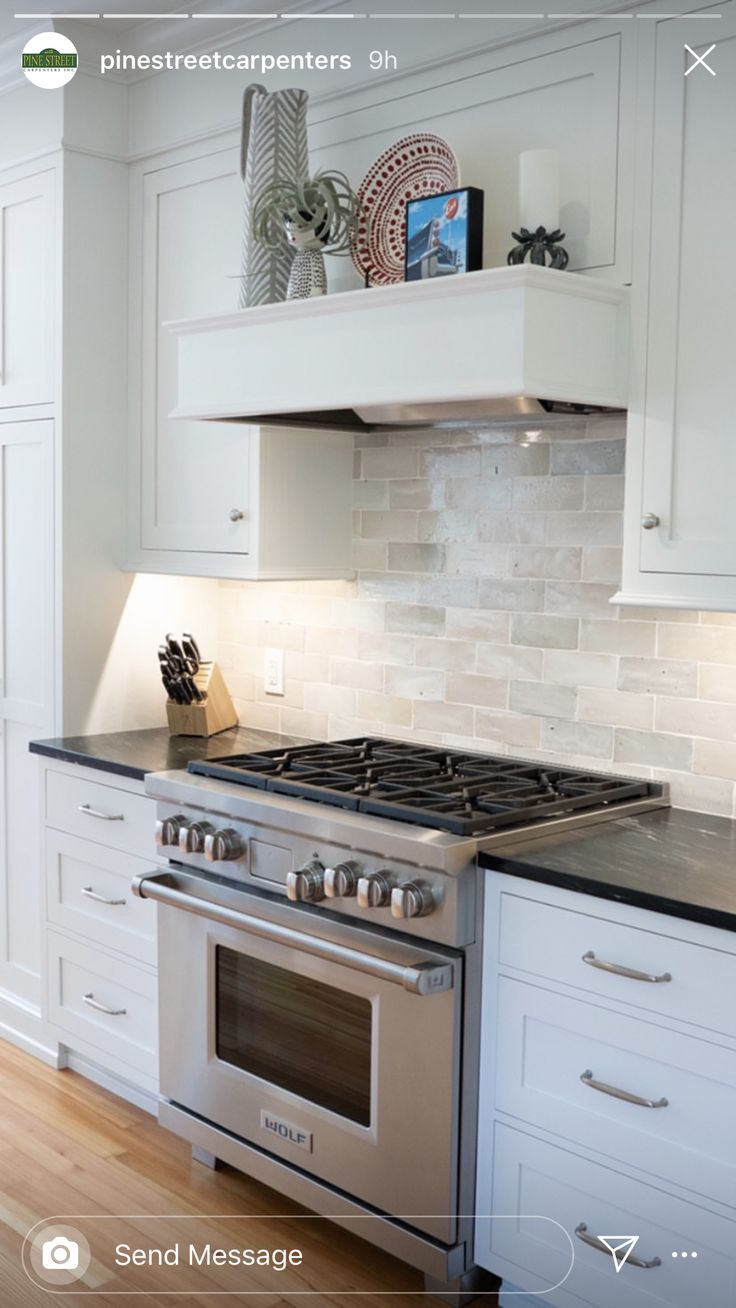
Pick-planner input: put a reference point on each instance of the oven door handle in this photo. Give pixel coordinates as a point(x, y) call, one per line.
point(419, 979)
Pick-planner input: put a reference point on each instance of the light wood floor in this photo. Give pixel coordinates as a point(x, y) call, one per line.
point(67, 1147)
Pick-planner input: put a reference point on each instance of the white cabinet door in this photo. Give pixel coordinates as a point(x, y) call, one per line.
point(688, 455)
point(192, 475)
point(26, 503)
point(26, 290)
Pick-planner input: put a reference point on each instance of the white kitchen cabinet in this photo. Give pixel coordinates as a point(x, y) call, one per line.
point(100, 940)
point(27, 290)
point(26, 567)
point(658, 1156)
point(222, 498)
point(680, 537)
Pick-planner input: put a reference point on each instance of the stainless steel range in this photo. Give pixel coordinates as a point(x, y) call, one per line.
point(319, 968)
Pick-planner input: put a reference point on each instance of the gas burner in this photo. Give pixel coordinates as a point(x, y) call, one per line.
point(466, 794)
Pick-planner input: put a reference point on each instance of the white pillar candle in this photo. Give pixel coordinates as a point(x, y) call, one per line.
point(539, 189)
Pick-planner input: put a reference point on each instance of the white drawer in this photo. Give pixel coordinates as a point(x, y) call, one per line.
point(128, 1032)
point(546, 1042)
point(88, 891)
point(99, 812)
point(552, 942)
point(531, 1177)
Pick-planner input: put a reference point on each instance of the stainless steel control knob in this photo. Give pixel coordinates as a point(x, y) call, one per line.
point(374, 891)
point(650, 521)
point(167, 830)
point(192, 837)
point(413, 899)
point(307, 885)
point(222, 846)
point(341, 881)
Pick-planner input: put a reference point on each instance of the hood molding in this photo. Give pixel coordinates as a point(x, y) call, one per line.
point(477, 346)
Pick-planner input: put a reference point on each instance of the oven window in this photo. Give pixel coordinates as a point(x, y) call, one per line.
point(309, 1038)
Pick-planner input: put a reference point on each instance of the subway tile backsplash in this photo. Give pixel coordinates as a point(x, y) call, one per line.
point(480, 617)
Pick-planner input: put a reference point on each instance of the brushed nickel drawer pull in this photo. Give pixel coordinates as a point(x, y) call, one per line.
point(619, 970)
point(91, 1002)
point(98, 813)
point(101, 899)
point(582, 1233)
point(588, 1079)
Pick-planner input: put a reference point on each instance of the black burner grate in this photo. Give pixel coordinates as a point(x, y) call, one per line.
point(466, 794)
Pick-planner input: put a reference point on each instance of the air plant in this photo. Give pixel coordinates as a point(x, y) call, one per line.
point(323, 207)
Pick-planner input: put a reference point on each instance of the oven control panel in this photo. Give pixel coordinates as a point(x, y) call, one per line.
point(353, 883)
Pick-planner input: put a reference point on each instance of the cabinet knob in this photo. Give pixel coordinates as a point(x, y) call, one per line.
point(649, 521)
point(236, 515)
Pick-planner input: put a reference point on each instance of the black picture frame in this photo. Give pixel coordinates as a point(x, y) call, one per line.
point(426, 254)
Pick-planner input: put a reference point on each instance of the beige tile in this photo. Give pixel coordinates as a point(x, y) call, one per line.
point(658, 677)
point(715, 758)
point(701, 794)
point(512, 528)
point(298, 722)
point(519, 460)
point(416, 558)
point(281, 635)
point(450, 462)
point(515, 594)
point(261, 717)
point(477, 494)
point(544, 631)
point(600, 529)
point(604, 492)
point(612, 636)
point(653, 749)
point(358, 673)
point(306, 667)
point(371, 495)
point(510, 662)
point(708, 644)
point(443, 525)
point(342, 641)
point(369, 555)
point(416, 619)
point(479, 560)
point(477, 624)
point(360, 615)
point(448, 592)
point(415, 683)
point(486, 692)
point(597, 456)
point(375, 707)
point(389, 463)
point(548, 493)
point(584, 599)
point(718, 619)
point(717, 681)
point(329, 699)
point(536, 697)
point(615, 708)
point(385, 648)
point(401, 587)
point(452, 655)
point(415, 493)
point(693, 717)
point(573, 668)
point(394, 524)
point(602, 565)
point(507, 729)
point(564, 563)
point(457, 718)
point(577, 738)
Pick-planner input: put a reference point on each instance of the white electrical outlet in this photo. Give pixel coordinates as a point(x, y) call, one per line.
point(273, 672)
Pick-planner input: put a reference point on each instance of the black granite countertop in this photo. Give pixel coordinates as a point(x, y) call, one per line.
point(135, 753)
point(670, 861)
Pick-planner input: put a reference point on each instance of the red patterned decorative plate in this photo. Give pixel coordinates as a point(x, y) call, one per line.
point(414, 167)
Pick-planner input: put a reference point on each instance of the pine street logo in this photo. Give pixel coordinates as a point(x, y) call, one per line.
point(49, 60)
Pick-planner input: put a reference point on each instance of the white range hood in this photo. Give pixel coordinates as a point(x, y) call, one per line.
point(479, 346)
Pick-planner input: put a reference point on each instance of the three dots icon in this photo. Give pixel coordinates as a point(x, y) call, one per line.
point(685, 1254)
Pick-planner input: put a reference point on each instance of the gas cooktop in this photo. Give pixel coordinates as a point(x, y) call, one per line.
point(466, 794)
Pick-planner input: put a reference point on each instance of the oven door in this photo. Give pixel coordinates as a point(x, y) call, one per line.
point(330, 1046)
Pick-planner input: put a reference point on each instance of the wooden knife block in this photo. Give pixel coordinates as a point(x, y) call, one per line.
point(215, 713)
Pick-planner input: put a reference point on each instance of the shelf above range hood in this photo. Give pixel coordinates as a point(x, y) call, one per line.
point(480, 347)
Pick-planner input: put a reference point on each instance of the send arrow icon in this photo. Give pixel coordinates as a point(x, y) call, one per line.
point(620, 1247)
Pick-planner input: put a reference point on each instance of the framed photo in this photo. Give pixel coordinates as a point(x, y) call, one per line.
point(444, 234)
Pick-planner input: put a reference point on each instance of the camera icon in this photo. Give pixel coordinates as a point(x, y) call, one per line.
point(60, 1255)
